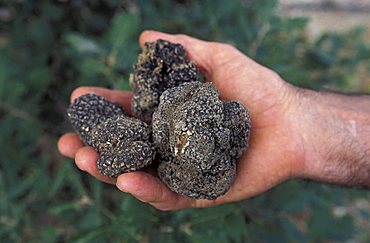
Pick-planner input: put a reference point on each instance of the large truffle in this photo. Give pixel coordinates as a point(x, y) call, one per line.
point(87, 111)
point(123, 142)
point(199, 138)
point(160, 66)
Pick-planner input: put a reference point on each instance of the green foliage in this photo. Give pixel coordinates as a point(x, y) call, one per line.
point(47, 48)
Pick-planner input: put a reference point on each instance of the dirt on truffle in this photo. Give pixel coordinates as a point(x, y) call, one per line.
point(160, 66)
point(199, 138)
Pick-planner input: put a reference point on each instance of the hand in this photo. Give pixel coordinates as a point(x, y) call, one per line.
point(275, 153)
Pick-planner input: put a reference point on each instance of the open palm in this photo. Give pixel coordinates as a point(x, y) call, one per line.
point(274, 154)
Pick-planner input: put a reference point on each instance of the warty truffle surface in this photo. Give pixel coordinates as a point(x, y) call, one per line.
point(160, 66)
point(199, 138)
point(123, 142)
point(87, 111)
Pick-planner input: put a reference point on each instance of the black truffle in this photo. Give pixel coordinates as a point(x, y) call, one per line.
point(87, 111)
point(161, 65)
point(199, 138)
point(123, 142)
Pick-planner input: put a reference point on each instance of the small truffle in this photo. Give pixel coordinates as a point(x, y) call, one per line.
point(199, 138)
point(161, 65)
point(87, 111)
point(123, 142)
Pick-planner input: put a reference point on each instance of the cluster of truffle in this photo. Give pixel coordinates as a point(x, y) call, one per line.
point(194, 136)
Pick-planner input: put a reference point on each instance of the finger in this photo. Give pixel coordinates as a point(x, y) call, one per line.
point(86, 159)
point(121, 97)
point(69, 144)
point(197, 50)
point(150, 189)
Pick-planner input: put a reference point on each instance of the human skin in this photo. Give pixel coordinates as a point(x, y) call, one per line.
point(296, 133)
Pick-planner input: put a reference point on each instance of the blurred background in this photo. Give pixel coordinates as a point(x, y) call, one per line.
point(48, 48)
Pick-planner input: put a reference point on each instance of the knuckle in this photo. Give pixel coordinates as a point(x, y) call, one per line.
point(182, 37)
point(275, 76)
point(225, 47)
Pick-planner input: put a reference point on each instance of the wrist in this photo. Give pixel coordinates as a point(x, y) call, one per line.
point(333, 139)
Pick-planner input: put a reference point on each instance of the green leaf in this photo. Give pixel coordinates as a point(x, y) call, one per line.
point(83, 45)
point(124, 26)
